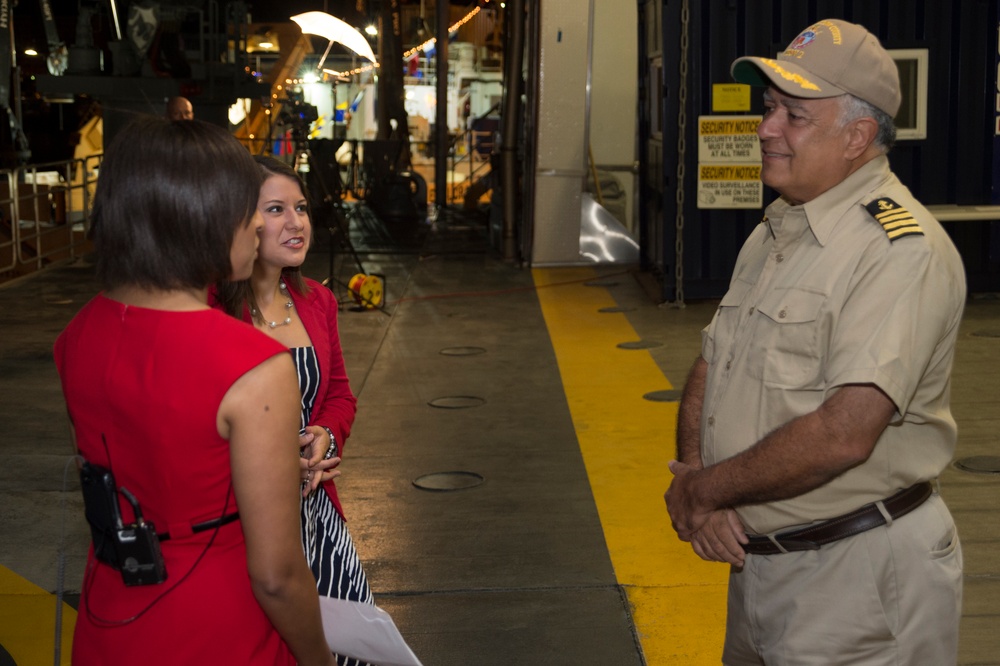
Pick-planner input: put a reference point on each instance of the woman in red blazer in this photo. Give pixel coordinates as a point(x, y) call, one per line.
point(302, 314)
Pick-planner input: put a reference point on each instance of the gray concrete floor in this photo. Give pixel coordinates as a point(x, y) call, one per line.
point(512, 571)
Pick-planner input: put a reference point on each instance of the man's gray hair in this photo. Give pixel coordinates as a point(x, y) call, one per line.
point(853, 108)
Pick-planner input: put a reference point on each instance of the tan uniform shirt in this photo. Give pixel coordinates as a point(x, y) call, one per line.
point(821, 297)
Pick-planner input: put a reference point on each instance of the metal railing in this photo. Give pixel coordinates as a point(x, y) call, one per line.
point(44, 214)
point(469, 154)
point(356, 173)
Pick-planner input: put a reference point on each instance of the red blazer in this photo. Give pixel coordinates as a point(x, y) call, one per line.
point(335, 403)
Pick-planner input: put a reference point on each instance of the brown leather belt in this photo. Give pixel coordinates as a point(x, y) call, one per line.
point(835, 529)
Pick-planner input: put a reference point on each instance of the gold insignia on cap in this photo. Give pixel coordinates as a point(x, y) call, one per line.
point(803, 82)
point(896, 220)
point(834, 31)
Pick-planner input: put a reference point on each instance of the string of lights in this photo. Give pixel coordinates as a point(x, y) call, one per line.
point(409, 52)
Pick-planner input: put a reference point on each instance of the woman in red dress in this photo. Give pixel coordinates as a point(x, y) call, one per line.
point(192, 412)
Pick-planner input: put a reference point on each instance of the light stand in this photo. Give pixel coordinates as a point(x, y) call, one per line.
point(305, 165)
point(366, 291)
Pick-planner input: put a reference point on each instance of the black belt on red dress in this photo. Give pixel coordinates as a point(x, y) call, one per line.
point(860, 520)
point(207, 525)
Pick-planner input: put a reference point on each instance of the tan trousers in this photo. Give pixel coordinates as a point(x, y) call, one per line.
point(891, 596)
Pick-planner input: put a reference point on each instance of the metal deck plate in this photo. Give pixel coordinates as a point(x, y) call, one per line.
point(639, 344)
point(663, 396)
point(462, 351)
point(444, 481)
point(979, 464)
point(457, 402)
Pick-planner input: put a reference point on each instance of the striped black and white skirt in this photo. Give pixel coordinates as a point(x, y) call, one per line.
point(332, 557)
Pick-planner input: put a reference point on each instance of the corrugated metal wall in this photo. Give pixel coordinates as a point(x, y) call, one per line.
point(953, 165)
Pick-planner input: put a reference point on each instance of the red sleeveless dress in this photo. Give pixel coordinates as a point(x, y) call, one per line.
point(143, 388)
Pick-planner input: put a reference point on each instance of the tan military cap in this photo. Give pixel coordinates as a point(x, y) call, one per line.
point(827, 59)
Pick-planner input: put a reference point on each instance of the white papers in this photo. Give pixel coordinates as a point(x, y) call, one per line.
point(365, 632)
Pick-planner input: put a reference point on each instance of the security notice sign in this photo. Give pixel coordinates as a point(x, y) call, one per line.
point(730, 186)
point(729, 162)
point(728, 139)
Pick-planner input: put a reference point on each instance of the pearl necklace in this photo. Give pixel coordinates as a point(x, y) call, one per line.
point(288, 308)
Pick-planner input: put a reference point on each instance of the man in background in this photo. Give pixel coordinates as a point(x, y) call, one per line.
point(179, 108)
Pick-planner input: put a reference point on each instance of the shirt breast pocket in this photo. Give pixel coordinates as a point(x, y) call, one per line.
point(789, 338)
point(724, 325)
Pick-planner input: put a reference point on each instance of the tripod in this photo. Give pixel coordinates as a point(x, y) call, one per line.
point(328, 204)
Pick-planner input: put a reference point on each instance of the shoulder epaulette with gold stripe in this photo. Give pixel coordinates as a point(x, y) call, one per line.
point(896, 220)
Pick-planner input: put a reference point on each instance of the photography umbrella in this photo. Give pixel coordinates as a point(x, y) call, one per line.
point(331, 27)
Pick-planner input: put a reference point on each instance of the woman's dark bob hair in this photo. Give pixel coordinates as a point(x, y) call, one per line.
point(169, 199)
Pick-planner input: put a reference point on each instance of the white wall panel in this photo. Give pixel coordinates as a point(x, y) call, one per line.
point(557, 208)
point(561, 151)
point(614, 94)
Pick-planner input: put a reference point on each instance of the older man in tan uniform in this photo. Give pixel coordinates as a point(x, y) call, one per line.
point(817, 417)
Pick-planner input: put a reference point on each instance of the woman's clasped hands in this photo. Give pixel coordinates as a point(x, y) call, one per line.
point(314, 466)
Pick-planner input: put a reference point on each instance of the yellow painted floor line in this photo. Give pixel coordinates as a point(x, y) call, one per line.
point(28, 622)
point(678, 600)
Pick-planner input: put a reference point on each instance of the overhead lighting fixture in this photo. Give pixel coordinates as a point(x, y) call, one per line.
point(263, 39)
point(371, 30)
point(30, 52)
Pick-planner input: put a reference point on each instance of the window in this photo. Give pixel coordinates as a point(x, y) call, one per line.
point(911, 121)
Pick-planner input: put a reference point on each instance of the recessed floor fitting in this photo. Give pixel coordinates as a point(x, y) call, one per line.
point(443, 481)
point(663, 396)
point(462, 351)
point(639, 344)
point(457, 402)
point(979, 464)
